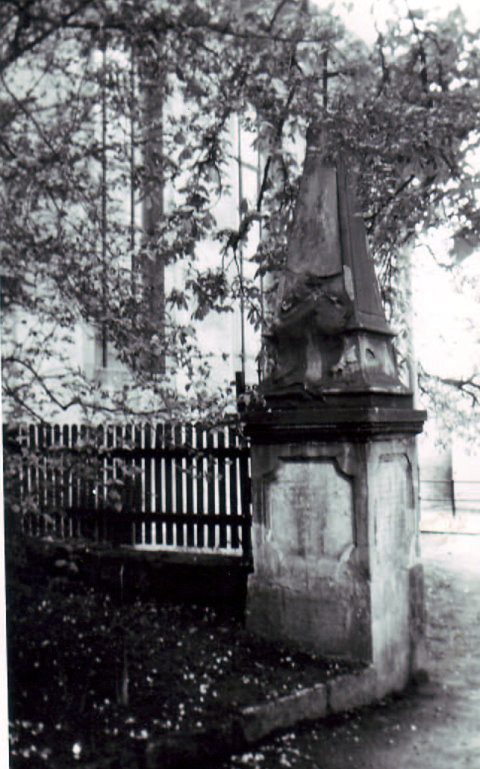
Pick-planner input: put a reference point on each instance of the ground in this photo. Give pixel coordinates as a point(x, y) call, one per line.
point(433, 726)
point(92, 677)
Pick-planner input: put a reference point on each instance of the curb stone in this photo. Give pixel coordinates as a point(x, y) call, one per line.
point(352, 691)
point(253, 723)
point(257, 721)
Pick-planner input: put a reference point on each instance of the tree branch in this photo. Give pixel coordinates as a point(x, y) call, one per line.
point(421, 51)
point(16, 50)
point(383, 62)
point(121, 408)
point(372, 218)
point(469, 386)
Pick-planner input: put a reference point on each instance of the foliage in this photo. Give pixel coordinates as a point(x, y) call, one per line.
point(169, 79)
point(454, 401)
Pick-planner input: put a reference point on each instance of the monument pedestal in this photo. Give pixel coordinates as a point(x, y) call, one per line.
point(335, 535)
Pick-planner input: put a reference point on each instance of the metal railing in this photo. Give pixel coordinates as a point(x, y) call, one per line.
point(458, 495)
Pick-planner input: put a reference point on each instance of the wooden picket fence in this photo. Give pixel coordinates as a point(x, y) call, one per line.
point(160, 486)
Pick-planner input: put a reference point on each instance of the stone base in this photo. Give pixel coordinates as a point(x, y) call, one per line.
point(336, 551)
point(330, 622)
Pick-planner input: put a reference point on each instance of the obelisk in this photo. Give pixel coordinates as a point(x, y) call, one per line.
point(334, 466)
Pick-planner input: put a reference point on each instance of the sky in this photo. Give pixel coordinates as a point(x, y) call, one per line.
point(360, 15)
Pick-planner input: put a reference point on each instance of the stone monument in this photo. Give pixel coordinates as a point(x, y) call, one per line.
point(334, 467)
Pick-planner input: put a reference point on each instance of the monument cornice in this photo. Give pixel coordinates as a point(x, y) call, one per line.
point(351, 423)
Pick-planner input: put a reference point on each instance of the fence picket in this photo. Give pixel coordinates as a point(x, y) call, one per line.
point(189, 483)
point(244, 484)
point(21, 435)
point(233, 488)
point(199, 484)
point(146, 479)
point(40, 445)
point(139, 528)
point(221, 486)
point(164, 485)
point(178, 477)
point(66, 476)
point(82, 471)
point(168, 463)
point(159, 483)
point(56, 483)
point(74, 474)
point(210, 481)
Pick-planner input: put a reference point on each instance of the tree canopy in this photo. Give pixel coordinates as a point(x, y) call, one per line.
point(106, 101)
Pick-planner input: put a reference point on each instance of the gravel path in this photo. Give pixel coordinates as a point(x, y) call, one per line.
point(434, 726)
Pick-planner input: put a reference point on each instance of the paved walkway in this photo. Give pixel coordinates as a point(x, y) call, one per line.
point(436, 726)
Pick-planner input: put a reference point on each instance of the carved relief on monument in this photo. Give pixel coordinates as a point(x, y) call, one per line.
point(305, 337)
point(321, 500)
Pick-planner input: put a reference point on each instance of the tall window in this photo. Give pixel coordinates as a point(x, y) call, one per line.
point(131, 194)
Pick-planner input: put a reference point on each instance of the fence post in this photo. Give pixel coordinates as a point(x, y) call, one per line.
point(452, 495)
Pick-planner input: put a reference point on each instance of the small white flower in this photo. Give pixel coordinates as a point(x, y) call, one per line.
point(76, 750)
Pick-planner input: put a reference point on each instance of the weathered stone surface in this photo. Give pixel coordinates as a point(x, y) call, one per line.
point(308, 488)
point(335, 544)
point(257, 721)
point(252, 724)
point(310, 585)
point(417, 619)
point(391, 474)
point(352, 691)
point(329, 330)
point(357, 417)
point(335, 534)
point(331, 621)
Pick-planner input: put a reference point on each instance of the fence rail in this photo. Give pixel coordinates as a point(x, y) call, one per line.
point(163, 485)
point(455, 495)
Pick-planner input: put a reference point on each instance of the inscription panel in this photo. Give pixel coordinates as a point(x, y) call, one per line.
point(310, 509)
